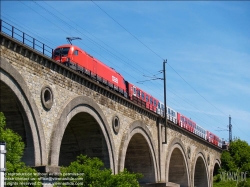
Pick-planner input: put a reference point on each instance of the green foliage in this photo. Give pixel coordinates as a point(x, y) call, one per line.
point(17, 171)
point(90, 172)
point(231, 183)
point(237, 158)
point(244, 184)
point(14, 145)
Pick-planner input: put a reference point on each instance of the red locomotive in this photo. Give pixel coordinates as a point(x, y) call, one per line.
point(76, 58)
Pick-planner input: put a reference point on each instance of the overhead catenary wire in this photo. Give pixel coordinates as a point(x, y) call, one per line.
point(72, 21)
point(119, 25)
point(156, 55)
point(127, 31)
point(161, 59)
point(180, 76)
point(13, 21)
point(94, 42)
point(97, 44)
point(58, 26)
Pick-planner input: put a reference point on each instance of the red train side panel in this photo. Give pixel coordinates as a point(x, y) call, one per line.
point(70, 53)
point(212, 138)
point(185, 122)
point(142, 98)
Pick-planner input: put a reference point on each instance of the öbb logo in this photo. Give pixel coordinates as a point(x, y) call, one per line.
point(115, 79)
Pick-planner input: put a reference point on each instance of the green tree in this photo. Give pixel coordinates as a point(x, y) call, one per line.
point(237, 157)
point(17, 172)
point(235, 160)
point(90, 172)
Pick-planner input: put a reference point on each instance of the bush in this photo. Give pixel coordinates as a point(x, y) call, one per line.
point(90, 172)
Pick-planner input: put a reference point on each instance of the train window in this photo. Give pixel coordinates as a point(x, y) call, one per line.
point(146, 98)
point(76, 52)
point(154, 102)
point(134, 90)
point(61, 51)
point(173, 113)
point(159, 105)
point(168, 110)
point(138, 93)
point(162, 106)
point(56, 52)
point(151, 100)
point(142, 95)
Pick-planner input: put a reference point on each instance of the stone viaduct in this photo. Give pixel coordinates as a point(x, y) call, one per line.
point(60, 114)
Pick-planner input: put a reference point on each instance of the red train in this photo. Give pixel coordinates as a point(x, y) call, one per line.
point(77, 59)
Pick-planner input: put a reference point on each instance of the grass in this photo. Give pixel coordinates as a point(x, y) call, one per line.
point(218, 183)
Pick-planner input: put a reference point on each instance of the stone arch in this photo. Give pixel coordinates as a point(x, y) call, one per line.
point(200, 170)
point(76, 106)
point(12, 81)
point(217, 165)
point(177, 170)
point(214, 170)
point(138, 138)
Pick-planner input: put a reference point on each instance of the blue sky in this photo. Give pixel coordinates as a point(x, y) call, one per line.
point(206, 44)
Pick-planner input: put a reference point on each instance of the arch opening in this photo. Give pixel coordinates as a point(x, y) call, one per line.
point(200, 173)
point(216, 170)
point(83, 135)
point(17, 120)
point(139, 159)
point(47, 96)
point(177, 169)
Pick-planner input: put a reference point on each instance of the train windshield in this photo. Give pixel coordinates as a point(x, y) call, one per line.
point(61, 51)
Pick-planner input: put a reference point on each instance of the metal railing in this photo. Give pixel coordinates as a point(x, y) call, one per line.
point(25, 38)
